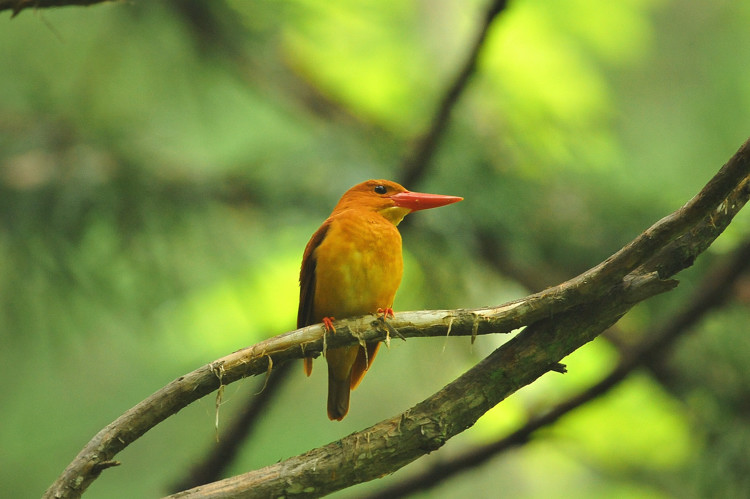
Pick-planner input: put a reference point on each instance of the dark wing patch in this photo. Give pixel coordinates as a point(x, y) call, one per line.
point(305, 313)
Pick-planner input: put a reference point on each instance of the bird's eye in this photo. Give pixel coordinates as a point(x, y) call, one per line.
point(380, 189)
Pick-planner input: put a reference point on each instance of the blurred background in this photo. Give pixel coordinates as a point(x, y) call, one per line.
point(163, 164)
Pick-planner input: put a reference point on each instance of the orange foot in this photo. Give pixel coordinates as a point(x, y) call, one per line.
point(387, 312)
point(328, 323)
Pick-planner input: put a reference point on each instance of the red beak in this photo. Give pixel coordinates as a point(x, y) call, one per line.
point(421, 201)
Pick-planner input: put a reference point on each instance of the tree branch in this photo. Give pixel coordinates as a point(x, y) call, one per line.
point(395, 442)
point(711, 293)
point(414, 165)
point(561, 319)
point(18, 5)
point(222, 454)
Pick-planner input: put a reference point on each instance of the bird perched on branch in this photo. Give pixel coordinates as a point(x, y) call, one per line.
point(352, 266)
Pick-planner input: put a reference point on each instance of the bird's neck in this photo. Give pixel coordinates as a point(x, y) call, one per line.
point(394, 214)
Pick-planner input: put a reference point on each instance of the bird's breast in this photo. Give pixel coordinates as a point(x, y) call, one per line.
point(359, 266)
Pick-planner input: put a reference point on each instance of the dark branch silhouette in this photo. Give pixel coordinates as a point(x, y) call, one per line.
point(220, 36)
point(18, 5)
point(414, 165)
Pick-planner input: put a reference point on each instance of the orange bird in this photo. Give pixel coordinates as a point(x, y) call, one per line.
point(352, 266)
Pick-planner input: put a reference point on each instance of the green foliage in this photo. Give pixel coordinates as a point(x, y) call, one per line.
point(160, 176)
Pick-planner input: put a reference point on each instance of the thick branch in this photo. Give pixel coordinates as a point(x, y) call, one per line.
point(222, 454)
point(711, 293)
point(395, 442)
point(254, 360)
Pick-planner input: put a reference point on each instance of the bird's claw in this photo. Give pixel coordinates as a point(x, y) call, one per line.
point(387, 312)
point(392, 331)
point(328, 324)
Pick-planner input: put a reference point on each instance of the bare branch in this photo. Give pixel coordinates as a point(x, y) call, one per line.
point(395, 442)
point(711, 293)
point(18, 5)
point(221, 455)
point(414, 166)
point(253, 361)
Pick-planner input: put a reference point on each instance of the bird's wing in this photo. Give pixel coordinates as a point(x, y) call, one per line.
point(305, 314)
point(306, 311)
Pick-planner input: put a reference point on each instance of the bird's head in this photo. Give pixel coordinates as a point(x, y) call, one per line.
point(390, 199)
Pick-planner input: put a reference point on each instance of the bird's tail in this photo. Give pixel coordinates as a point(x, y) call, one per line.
point(338, 398)
point(340, 362)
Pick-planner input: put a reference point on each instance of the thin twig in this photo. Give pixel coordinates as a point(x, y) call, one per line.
point(18, 5)
point(414, 165)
